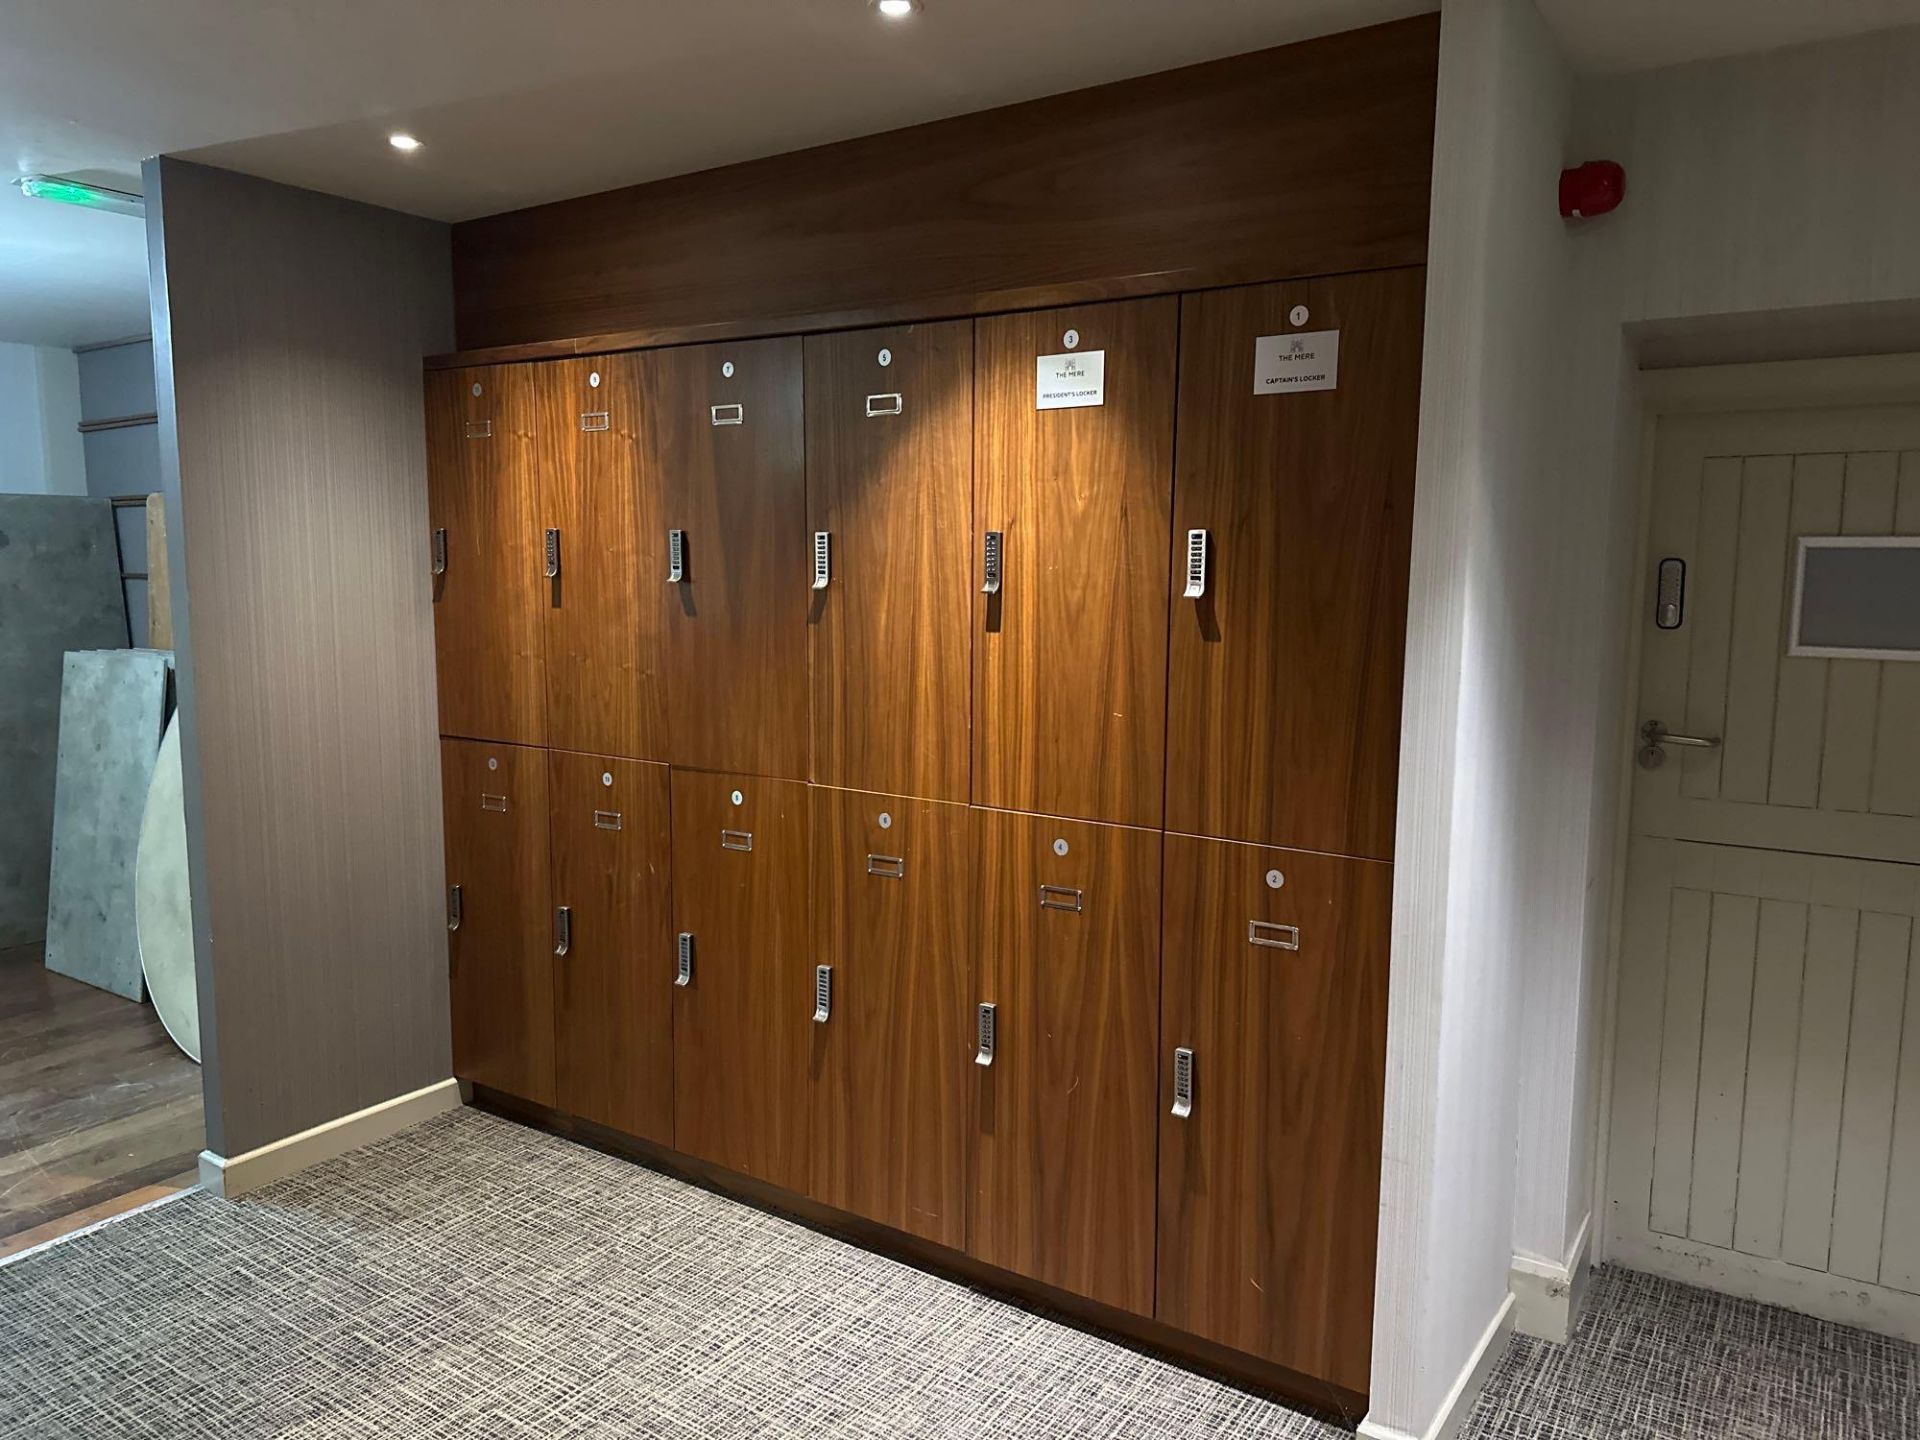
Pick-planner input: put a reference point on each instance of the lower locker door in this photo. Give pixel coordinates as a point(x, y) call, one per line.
point(1064, 1133)
point(743, 1031)
point(500, 960)
point(1275, 990)
point(612, 942)
point(893, 942)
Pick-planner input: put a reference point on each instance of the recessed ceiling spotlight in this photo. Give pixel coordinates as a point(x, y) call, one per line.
point(896, 9)
point(403, 142)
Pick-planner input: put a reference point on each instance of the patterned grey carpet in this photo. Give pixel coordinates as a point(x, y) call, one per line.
point(473, 1278)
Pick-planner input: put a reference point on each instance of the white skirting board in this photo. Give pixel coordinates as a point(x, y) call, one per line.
point(1547, 1295)
point(1466, 1388)
point(237, 1175)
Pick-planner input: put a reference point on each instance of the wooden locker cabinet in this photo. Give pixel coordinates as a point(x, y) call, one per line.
point(604, 690)
point(726, 454)
point(1284, 676)
point(1065, 1127)
point(499, 945)
point(485, 550)
point(1270, 1185)
point(893, 922)
point(611, 838)
point(743, 1031)
point(890, 484)
point(1070, 655)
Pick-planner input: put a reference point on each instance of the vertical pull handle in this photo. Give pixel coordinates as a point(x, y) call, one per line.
point(822, 993)
point(984, 1026)
point(1197, 550)
point(553, 555)
point(455, 907)
point(822, 558)
point(676, 556)
point(562, 929)
point(990, 563)
point(683, 974)
point(1182, 1083)
point(440, 551)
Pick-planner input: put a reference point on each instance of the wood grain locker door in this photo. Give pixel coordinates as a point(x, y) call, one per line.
point(893, 920)
point(489, 594)
point(727, 453)
point(605, 690)
point(890, 484)
point(612, 839)
point(1070, 654)
point(743, 1030)
point(1275, 980)
point(1284, 680)
point(1065, 1126)
point(499, 944)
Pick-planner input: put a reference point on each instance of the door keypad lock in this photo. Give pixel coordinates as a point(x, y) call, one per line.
point(822, 559)
point(676, 556)
point(455, 907)
point(683, 971)
point(562, 930)
point(1197, 548)
point(553, 555)
point(1182, 1083)
point(440, 551)
point(822, 993)
point(983, 1027)
point(990, 563)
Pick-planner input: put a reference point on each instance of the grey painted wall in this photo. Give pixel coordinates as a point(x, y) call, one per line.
point(288, 332)
point(117, 381)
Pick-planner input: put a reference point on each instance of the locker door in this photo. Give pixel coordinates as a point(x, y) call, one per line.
point(1284, 720)
point(728, 457)
point(1270, 1182)
point(890, 486)
point(498, 943)
point(743, 1027)
point(488, 595)
point(613, 919)
point(893, 921)
point(1065, 1131)
point(1070, 659)
point(604, 685)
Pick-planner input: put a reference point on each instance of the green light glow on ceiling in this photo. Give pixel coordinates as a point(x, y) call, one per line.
point(78, 192)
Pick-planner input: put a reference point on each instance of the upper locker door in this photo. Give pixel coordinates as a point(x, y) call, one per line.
point(743, 1032)
point(727, 453)
point(1273, 1065)
point(1070, 660)
point(612, 942)
point(890, 496)
point(1296, 469)
point(894, 943)
point(604, 686)
point(1065, 1129)
point(488, 594)
point(500, 962)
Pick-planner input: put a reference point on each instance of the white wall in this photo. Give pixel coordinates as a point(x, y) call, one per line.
point(40, 451)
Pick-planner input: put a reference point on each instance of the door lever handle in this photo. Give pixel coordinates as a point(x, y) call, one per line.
point(1655, 736)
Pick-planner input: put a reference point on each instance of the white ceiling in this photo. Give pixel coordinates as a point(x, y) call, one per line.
point(520, 102)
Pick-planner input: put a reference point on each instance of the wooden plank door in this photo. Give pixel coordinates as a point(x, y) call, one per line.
point(1284, 672)
point(890, 484)
point(500, 960)
point(726, 452)
point(1065, 1127)
point(605, 687)
point(612, 839)
point(743, 1032)
point(489, 594)
point(1070, 651)
point(1275, 984)
point(893, 924)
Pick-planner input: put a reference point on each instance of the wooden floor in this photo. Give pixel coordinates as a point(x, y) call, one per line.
point(99, 1111)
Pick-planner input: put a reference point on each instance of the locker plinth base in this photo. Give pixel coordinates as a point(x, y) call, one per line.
point(1335, 1403)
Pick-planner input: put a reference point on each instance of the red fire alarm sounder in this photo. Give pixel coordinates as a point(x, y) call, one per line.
point(1591, 189)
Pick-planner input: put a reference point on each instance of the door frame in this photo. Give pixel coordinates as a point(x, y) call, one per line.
point(1853, 380)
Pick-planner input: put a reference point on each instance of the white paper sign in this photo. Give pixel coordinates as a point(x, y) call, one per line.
point(1308, 360)
point(1066, 382)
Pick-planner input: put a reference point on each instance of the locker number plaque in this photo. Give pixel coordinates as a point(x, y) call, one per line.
point(1071, 382)
point(1307, 360)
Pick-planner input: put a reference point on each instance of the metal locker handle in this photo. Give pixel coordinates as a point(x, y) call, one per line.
point(440, 551)
point(562, 929)
point(1273, 937)
point(1059, 897)
point(736, 840)
point(1197, 548)
point(553, 554)
point(455, 907)
point(683, 974)
point(595, 420)
point(822, 558)
point(887, 867)
point(479, 429)
point(991, 563)
point(822, 993)
point(1182, 1083)
point(729, 415)
point(984, 1023)
point(676, 556)
point(884, 405)
point(495, 803)
point(608, 820)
